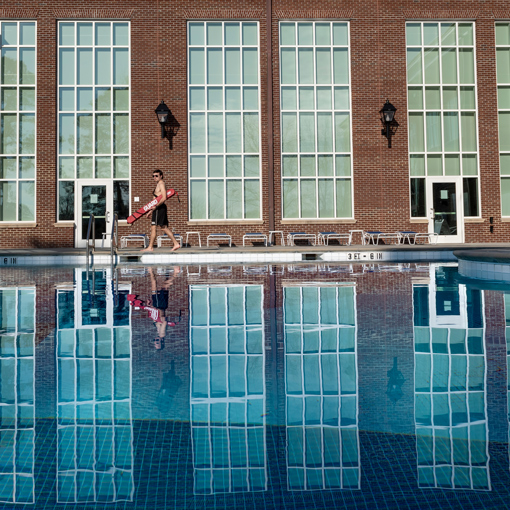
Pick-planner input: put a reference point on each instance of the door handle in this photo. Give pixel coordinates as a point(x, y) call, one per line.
point(432, 213)
point(107, 216)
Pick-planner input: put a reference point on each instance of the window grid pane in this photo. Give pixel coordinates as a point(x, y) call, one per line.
point(503, 83)
point(93, 103)
point(17, 121)
point(316, 119)
point(442, 99)
point(224, 120)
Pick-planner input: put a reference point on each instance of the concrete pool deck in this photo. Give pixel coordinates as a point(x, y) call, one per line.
point(473, 252)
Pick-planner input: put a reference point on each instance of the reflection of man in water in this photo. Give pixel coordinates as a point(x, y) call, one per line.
point(169, 386)
point(159, 302)
point(157, 305)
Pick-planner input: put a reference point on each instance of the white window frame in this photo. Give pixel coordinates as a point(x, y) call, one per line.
point(206, 154)
point(93, 112)
point(315, 111)
point(19, 112)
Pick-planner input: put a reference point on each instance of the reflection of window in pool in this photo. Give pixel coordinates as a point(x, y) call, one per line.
point(450, 386)
point(228, 388)
point(321, 388)
point(17, 394)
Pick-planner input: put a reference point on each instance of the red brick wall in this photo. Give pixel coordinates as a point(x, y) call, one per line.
point(158, 71)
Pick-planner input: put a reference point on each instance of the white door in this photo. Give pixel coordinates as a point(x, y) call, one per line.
point(445, 209)
point(94, 197)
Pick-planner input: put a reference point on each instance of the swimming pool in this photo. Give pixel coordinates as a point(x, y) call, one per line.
point(298, 386)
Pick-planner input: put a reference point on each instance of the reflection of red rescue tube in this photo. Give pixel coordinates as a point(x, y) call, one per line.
point(143, 210)
point(154, 313)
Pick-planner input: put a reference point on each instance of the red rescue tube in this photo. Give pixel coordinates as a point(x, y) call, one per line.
point(143, 210)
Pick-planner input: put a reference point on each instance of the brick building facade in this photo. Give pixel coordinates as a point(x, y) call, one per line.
point(293, 144)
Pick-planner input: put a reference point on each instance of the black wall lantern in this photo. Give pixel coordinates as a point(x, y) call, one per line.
point(163, 113)
point(388, 119)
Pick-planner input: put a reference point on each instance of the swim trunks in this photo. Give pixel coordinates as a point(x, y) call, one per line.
point(159, 216)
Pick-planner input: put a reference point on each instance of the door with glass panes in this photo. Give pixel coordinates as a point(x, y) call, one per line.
point(94, 197)
point(445, 209)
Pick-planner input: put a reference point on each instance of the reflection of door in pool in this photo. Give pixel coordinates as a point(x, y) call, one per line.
point(445, 217)
point(93, 199)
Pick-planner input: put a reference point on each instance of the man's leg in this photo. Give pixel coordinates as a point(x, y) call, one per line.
point(167, 231)
point(152, 239)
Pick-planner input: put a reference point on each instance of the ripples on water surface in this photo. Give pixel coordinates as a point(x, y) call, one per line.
point(305, 386)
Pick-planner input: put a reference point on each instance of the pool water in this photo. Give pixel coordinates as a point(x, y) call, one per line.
point(299, 386)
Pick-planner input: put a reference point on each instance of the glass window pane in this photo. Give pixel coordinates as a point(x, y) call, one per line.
point(103, 99)
point(234, 199)
point(305, 33)
point(250, 66)
point(470, 188)
point(505, 197)
point(214, 98)
point(448, 34)
point(288, 65)
point(27, 201)
point(251, 166)
point(340, 34)
point(234, 166)
point(417, 198)
point(343, 165)
point(467, 98)
point(84, 99)
point(103, 133)
point(308, 198)
point(451, 132)
point(66, 66)
point(417, 164)
point(66, 201)
point(8, 201)
point(433, 132)
point(325, 132)
point(27, 99)
point(469, 164)
point(342, 98)
point(27, 167)
point(196, 66)
point(504, 126)
point(291, 199)
point(85, 168)
point(450, 101)
point(430, 34)
point(120, 99)
point(307, 166)
point(121, 199)
point(306, 98)
point(432, 98)
point(197, 132)
point(8, 168)
point(66, 99)
point(103, 167)
point(307, 132)
point(121, 66)
point(9, 33)
point(66, 134)
point(343, 198)
point(432, 66)
point(326, 198)
point(214, 66)
point(414, 71)
point(466, 34)
point(198, 200)
point(468, 129)
point(251, 132)
point(216, 167)
point(233, 98)
point(452, 164)
point(66, 34)
point(27, 133)
point(250, 35)
point(216, 199)
point(340, 66)
point(120, 34)
point(233, 132)
point(84, 71)
point(322, 34)
point(466, 66)
point(66, 168)
point(325, 166)
point(9, 99)
point(103, 66)
point(84, 34)
point(305, 65)
point(215, 132)
point(252, 198)
point(27, 66)
point(434, 165)
point(251, 98)
point(342, 132)
point(121, 133)
point(449, 63)
point(8, 134)
point(287, 33)
point(196, 33)
point(323, 63)
point(232, 65)
point(103, 34)
point(415, 98)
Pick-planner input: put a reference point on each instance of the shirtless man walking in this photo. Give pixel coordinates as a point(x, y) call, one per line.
point(159, 213)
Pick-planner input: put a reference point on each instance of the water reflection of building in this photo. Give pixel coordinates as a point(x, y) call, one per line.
point(321, 387)
point(450, 383)
point(95, 432)
point(17, 390)
point(228, 388)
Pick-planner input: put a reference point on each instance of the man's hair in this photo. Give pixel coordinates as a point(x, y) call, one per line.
point(158, 172)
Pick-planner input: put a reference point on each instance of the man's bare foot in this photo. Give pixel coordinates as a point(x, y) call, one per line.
point(148, 249)
point(176, 247)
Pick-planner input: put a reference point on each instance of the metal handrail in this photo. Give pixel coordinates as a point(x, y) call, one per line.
point(114, 237)
point(91, 227)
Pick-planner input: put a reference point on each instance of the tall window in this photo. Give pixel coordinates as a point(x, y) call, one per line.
point(224, 120)
point(17, 121)
point(17, 394)
point(321, 386)
point(503, 79)
point(93, 105)
point(315, 120)
point(442, 109)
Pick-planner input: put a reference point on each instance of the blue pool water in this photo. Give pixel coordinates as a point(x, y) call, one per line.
point(305, 386)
